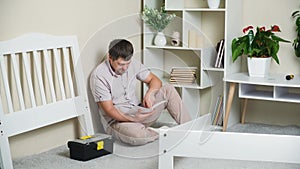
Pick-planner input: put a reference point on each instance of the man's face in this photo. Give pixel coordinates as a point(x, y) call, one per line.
point(119, 66)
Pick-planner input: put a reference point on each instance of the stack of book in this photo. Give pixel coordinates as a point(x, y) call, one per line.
point(183, 75)
point(217, 115)
point(220, 54)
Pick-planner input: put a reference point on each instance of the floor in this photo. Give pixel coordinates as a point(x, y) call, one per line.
point(146, 157)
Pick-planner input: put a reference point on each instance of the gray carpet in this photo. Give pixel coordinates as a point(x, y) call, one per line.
point(145, 157)
point(265, 129)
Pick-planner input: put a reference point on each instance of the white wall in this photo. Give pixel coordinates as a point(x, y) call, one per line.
point(95, 22)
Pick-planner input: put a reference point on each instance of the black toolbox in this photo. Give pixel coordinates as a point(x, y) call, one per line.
point(89, 147)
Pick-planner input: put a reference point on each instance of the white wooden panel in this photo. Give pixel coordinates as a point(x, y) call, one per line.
point(190, 141)
point(40, 116)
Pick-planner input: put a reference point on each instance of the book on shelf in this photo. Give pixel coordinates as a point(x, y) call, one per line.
point(217, 114)
point(183, 75)
point(219, 62)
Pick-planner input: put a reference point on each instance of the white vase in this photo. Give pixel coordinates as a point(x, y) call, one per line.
point(213, 4)
point(258, 67)
point(160, 39)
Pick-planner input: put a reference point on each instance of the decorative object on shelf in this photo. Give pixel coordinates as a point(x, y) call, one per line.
point(289, 77)
point(263, 44)
point(158, 20)
point(175, 39)
point(296, 43)
point(213, 4)
point(160, 39)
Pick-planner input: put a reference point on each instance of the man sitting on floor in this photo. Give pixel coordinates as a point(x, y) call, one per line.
point(113, 85)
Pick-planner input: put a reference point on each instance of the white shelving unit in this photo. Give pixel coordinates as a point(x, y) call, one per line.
point(192, 17)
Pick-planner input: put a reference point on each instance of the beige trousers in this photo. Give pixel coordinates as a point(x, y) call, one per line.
point(140, 133)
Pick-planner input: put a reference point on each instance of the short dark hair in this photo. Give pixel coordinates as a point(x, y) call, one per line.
point(120, 48)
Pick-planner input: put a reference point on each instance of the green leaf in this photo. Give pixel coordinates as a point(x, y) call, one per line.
point(275, 58)
point(274, 37)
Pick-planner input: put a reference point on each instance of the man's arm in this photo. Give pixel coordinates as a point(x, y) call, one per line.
point(114, 113)
point(154, 84)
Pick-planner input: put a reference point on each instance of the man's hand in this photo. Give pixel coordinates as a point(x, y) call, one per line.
point(149, 98)
point(154, 84)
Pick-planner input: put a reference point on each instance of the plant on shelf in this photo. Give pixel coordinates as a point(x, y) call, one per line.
point(158, 20)
point(262, 44)
point(296, 43)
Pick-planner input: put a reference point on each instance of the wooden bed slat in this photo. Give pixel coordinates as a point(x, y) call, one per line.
point(39, 77)
point(6, 85)
point(16, 72)
point(49, 75)
point(68, 71)
point(28, 79)
point(59, 74)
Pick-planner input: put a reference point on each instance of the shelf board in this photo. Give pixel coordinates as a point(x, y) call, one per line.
point(196, 9)
point(271, 80)
point(214, 69)
point(172, 47)
point(191, 86)
point(289, 97)
point(204, 10)
point(266, 95)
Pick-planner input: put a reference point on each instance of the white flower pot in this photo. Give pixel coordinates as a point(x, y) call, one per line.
point(213, 4)
point(258, 67)
point(160, 39)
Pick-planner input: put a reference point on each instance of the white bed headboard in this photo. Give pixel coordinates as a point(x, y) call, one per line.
point(41, 83)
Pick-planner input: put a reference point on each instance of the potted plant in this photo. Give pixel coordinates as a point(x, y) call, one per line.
point(158, 20)
point(258, 47)
point(296, 43)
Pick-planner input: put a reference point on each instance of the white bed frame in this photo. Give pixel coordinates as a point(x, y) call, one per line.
point(42, 83)
point(198, 140)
